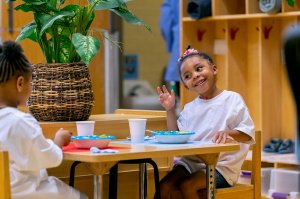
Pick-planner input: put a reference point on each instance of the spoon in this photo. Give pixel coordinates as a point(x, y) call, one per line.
point(150, 131)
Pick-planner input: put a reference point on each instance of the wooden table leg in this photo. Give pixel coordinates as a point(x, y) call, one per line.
point(210, 160)
point(97, 194)
point(210, 181)
point(98, 169)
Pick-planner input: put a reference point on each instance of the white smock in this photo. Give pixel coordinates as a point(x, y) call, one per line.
point(226, 111)
point(30, 153)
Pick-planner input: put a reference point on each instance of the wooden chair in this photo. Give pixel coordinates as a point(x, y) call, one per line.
point(4, 176)
point(247, 191)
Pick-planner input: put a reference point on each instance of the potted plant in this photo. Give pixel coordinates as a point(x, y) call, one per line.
point(62, 87)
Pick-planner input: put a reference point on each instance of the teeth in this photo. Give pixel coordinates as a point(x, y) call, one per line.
point(199, 82)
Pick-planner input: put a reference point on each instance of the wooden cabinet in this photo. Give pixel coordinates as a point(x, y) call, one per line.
point(246, 46)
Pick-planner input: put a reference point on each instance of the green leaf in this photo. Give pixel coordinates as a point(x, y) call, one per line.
point(83, 19)
point(36, 7)
point(65, 49)
point(71, 8)
point(129, 17)
point(291, 3)
point(86, 46)
point(25, 8)
point(49, 22)
point(35, 1)
point(28, 31)
point(105, 4)
point(30, 5)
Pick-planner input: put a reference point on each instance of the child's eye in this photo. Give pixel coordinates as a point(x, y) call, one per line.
point(187, 76)
point(199, 68)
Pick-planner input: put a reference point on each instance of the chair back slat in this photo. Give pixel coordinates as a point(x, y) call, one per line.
point(4, 176)
point(247, 191)
point(140, 112)
point(256, 165)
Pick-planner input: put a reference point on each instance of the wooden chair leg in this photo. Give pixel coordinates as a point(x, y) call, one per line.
point(113, 182)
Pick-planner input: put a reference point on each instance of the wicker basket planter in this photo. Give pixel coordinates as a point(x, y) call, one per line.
point(61, 92)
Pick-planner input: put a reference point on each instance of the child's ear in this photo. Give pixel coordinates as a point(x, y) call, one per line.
point(20, 83)
point(215, 69)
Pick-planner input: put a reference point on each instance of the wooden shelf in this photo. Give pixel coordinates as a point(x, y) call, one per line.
point(243, 16)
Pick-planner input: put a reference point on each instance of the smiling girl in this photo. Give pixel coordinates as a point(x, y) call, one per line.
point(216, 115)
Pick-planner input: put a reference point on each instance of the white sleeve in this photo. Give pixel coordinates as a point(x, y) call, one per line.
point(30, 149)
point(243, 121)
point(182, 120)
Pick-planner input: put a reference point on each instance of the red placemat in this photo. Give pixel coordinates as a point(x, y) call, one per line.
point(71, 148)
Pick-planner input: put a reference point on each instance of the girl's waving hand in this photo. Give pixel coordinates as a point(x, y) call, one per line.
point(166, 99)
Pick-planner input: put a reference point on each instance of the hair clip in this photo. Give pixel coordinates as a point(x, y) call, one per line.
point(187, 52)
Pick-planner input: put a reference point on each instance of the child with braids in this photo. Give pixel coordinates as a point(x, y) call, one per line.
point(216, 115)
point(30, 153)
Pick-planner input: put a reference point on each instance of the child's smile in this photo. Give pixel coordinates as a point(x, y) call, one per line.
point(199, 82)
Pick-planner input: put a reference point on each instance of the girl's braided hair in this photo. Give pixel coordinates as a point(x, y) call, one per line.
point(189, 52)
point(12, 61)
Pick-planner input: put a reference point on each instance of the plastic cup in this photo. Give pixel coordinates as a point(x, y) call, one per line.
point(137, 129)
point(85, 127)
point(294, 195)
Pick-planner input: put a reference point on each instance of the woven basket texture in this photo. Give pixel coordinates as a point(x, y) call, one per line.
point(61, 92)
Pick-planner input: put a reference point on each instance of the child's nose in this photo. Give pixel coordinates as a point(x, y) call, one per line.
point(195, 74)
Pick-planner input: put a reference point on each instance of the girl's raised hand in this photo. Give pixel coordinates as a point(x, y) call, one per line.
point(166, 99)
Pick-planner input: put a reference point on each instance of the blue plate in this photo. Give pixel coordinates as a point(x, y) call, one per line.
point(172, 137)
point(170, 133)
point(99, 141)
point(93, 137)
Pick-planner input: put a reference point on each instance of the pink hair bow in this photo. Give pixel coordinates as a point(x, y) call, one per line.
point(187, 52)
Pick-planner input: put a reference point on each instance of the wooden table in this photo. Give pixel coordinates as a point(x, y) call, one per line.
point(100, 164)
point(115, 124)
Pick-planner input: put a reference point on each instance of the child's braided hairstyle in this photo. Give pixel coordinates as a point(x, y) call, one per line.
point(12, 61)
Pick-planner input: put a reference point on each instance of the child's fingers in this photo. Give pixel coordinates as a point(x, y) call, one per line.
point(221, 139)
point(165, 90)
point(214, 139)
point(228, 140)
point(224, 139)
point(159, 91)
point(64, 131)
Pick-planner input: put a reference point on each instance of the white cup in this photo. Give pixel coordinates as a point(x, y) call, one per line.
point(294, 195)
point(137, 129)
point(85, 127)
